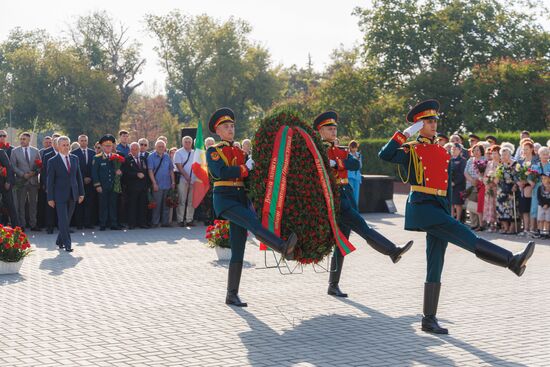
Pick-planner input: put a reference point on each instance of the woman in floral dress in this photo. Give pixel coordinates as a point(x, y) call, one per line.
point(473, 178)
point(505, 179)
point(489, 209)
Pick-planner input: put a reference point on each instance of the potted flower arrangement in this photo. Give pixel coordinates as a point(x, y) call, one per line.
point(14, 247)
point(218, 238)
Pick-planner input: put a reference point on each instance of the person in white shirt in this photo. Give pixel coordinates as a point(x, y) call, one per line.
point(184, 161)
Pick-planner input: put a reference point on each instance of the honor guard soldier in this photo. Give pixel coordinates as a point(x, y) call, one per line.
point(103, 177)
point(228, 170)
point(426, 167)
point(349, 219)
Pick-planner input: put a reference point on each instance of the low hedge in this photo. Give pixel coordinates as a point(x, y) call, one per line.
point(372, 165)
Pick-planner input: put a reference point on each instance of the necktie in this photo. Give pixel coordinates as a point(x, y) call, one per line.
point(138, 162)
point(85, 156)
point(27, 156)
point(68, 164)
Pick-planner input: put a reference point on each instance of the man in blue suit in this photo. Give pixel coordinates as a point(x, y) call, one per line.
point(84, 211)
point(65, 188)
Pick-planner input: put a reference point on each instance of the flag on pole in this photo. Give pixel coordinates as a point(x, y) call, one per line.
point(200, 169)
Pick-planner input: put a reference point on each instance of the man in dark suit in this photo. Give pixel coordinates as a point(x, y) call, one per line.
point(85, 210)
point(65, 188)
point(7, 180)
point(143, 155)
point(41, 206)
point(135, 172)
point(49, 212)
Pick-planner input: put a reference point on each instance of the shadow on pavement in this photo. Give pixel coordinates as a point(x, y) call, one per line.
point(329, 340)
point(60, 263)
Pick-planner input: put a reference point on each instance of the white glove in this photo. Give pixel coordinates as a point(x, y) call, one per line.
point(332, 163)
point(250, 164)
point(414, 128)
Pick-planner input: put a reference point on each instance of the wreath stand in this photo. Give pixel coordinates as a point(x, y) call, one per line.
point(288, 268)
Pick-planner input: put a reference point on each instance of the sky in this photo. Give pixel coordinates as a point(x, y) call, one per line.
point(289, 29)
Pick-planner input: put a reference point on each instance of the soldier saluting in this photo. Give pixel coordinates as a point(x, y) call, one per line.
point(350, 219)
point(426, 166)
point(228, 170)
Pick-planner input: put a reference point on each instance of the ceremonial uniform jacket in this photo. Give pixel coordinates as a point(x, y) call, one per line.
point(103, 172)
point(426, 166)
point(226, 166)
point(344, 162)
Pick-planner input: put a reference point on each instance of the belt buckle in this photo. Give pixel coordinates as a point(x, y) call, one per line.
point(439, 192)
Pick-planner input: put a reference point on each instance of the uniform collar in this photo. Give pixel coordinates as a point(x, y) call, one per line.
point(425, 140)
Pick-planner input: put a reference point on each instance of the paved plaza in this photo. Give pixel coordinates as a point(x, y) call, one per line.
point(155, 297)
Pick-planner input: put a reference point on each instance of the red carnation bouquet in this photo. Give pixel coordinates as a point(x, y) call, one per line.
point(151, 203)
point(172, 198)
point(218, 234)
point(3, 171)
point(4, 145)
point(37, 166)
point(117, 161)
point(14, 244)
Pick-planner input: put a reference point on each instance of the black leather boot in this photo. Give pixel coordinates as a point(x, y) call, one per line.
point(499, 256)
point(233, 281)
point(336, 264)
point(431, 299)
point(285, 248)
point(383, 245)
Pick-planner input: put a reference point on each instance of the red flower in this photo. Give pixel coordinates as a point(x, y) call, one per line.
point(3, 171)
point(4, 145)
point(38, 163)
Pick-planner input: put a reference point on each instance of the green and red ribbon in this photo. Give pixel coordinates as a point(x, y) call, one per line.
point(272, 210)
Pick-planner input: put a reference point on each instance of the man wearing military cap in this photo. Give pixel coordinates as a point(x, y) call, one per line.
point(103, 177)
point(426, 166)
point(228, 170)
point(350, 219)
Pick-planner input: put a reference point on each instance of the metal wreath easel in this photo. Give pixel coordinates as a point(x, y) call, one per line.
point(286, 268)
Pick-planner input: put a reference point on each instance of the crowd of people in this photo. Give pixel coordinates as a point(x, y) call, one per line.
point(496, 187)
point(126, 184)
point(502, 188)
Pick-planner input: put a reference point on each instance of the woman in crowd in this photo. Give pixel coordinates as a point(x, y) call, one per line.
point(505, 179)
point(525, 189)
point(355, 177)
point(489, 208)
point(473, 179)
point(247, 148)
point(541, 168)
point(458, 180)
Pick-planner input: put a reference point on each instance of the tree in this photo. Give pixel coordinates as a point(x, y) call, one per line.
point(508, 95)
point(211, 64)
point(104, 44)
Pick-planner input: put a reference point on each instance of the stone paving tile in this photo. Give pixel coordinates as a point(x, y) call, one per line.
point(155, 298)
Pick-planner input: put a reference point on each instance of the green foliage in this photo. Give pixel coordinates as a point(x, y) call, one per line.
point(211, 64)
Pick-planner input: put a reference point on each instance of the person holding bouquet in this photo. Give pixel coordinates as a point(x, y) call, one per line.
point(507, 197)
point(26, 163)
point(489, 207)
point(427, 167)
point(525, 188)
point(104, 175)
point(228, 170)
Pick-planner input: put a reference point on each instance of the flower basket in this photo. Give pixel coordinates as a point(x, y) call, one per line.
point(218, 234)
point(14, 247)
